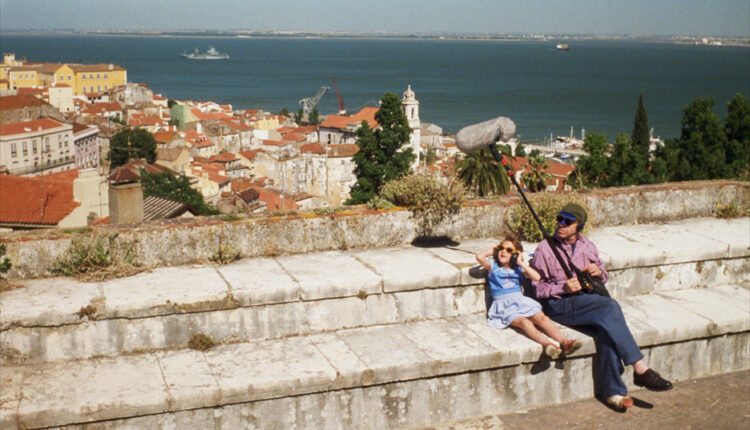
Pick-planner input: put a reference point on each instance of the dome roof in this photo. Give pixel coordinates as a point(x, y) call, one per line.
point(409, 95)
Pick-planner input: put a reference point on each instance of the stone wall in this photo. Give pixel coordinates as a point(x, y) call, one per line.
point(179, 242)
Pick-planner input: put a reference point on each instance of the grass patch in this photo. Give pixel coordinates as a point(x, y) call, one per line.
point(329, 210)
point(730, 211)
point(230, 218)
point(98, 257)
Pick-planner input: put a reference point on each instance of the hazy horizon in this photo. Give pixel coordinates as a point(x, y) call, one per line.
point(730, 18)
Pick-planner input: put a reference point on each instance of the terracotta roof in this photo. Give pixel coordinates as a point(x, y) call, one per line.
point(313, 148)
point(28, 126)
point(343, 121)
point(101, 67)
point(294, 137)
point(25, 91)
point(249, 154)
point(100, 108)
point(132, 170)
point(342, 150)
point(20, 102)
point(22, 198)
point(203, 116)
point(272, 199)
point(164, 136)
point(306, 129)
point(146, 121)
point(224, 157)
point(239, 184)
point(235, 124)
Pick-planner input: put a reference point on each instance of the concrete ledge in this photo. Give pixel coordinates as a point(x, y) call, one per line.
point(59, 319)
point(183, 242)
point(685, 334)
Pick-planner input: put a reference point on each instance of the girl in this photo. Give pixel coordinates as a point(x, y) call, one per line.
point(511, 307)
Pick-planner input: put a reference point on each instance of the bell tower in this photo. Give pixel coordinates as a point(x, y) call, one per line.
point(410, 106)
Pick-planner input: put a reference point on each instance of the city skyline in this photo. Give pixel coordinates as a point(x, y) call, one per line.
point(638, 17)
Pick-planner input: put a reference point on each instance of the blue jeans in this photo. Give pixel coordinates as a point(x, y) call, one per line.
point(601, 318)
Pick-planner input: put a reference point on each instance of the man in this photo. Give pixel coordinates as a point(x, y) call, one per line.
point(564, 302)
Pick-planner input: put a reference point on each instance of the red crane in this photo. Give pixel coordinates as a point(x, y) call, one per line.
point(342, 111)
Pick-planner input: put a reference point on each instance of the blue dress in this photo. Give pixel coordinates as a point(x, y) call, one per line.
point(508, 301)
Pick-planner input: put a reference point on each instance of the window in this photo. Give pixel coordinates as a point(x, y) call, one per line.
point(33, 146)
point(46, 143)
point(105, 87)
point(98, 76)
point(91, 76)
point(25, 148)
point(13, 149)
point(83, 76)
point(98, 88)
point(70, 77)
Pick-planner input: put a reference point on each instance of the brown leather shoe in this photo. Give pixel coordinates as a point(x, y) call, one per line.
point(652, 381)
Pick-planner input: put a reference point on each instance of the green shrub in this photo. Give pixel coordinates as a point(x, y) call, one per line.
point(5, 263)
point(546, 206)
point(429, 198)
point(379, 203)
point(328, 210)
point(730, 211)
point(230, 218)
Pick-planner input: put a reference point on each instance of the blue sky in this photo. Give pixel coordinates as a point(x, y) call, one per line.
point(677, 17)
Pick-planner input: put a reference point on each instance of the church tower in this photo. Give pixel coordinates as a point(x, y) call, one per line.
point(410, 106)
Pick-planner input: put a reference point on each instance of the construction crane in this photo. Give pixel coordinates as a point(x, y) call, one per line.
point(309, 103)
point(342, 111)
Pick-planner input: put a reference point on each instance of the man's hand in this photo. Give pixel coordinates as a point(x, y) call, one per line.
point(593, 270)
point(572, 286)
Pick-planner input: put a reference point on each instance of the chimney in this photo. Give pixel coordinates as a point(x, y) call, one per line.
point(125, 201)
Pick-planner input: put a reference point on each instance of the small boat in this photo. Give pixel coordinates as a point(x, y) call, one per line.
point(211, 54)
point(562, 47)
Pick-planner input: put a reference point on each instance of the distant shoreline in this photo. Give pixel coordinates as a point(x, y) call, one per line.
point(678, 40)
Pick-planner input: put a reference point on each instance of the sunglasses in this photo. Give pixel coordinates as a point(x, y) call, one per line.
point(508, 250)
point(564, 221)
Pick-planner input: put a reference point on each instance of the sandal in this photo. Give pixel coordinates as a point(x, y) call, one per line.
point(552, 351)
point(571, 345)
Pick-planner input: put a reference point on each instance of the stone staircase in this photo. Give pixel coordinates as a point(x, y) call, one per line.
point(378, 338)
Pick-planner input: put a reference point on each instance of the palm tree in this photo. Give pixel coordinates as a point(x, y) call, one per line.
point(535, 178)
point(482, 174)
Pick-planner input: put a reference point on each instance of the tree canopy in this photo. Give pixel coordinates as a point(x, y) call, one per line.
point(482, 174)
point(131, 144)
point(381, 157)
point(177, 188)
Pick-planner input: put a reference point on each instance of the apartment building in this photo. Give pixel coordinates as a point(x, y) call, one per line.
point(38, 146)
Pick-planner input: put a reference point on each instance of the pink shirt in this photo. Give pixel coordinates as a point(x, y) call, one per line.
point(582, 252)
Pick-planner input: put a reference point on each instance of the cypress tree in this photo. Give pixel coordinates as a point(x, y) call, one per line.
point(381, 158)
point(641, 138)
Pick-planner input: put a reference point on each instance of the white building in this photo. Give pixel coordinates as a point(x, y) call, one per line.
point(410, 106)
point(30, 147)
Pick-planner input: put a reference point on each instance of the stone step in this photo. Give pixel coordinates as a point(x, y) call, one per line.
point(270, 298)
point(382, 376)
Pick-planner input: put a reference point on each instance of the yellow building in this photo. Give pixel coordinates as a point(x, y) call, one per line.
point(91, 78)
point(83, 78)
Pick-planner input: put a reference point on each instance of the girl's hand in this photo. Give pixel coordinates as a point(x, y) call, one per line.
point(520, 261)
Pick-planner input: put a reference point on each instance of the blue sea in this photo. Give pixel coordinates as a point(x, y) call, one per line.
point(594, 85)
